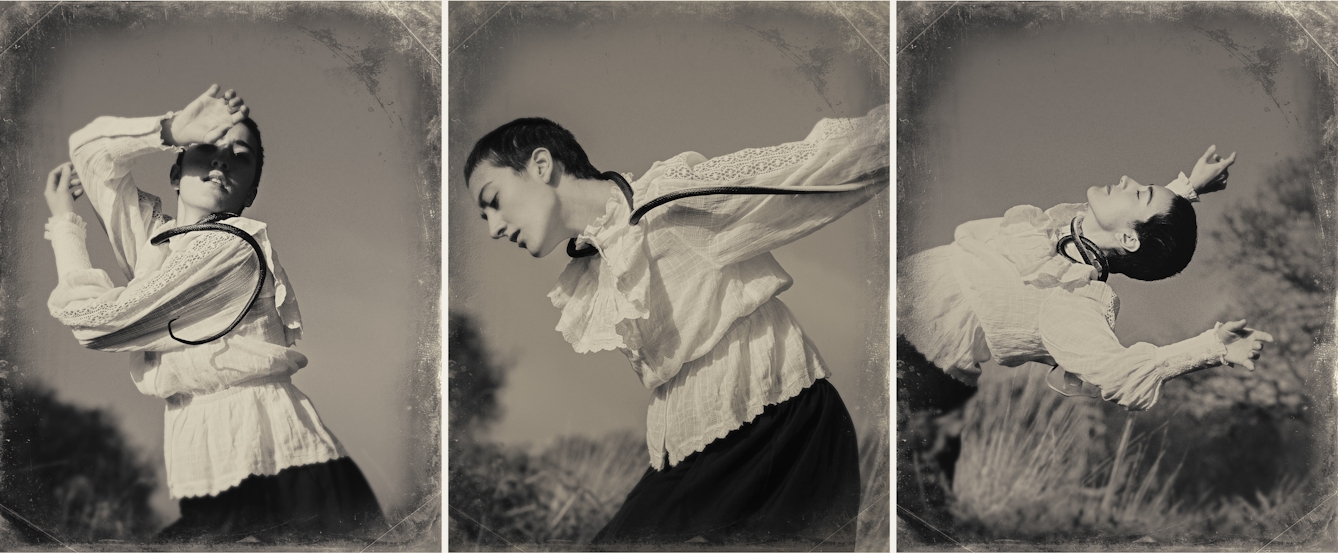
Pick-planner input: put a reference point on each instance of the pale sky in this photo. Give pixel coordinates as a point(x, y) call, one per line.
point(339, 193)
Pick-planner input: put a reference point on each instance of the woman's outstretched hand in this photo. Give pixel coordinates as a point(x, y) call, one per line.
point(1243, 345)
point(63, 187)
point(206, 118)
point(1210, 172)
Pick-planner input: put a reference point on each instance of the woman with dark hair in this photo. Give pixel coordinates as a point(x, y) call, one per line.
point(1030, 287)
point(747, 439)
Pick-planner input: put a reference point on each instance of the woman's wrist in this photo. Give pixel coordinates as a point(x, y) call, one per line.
point(166, 123)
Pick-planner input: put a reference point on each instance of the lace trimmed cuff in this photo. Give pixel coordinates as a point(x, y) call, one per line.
point(67, 233)
point(1200, 352)
point(1181, 188)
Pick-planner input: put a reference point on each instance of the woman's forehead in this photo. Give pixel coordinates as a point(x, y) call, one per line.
point(240, 133)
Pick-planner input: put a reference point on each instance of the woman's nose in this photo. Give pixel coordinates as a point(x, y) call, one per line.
point(218, 164)
point(496, 228)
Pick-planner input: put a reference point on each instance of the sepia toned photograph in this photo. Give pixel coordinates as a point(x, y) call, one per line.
point(1115, 276)
point(177, 179)
point(668, 276)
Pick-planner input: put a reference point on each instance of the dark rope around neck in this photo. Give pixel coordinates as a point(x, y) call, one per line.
point(211, 223)
point(1090, 252)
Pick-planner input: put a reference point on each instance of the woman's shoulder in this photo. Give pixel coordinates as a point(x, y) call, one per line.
point(251, 226)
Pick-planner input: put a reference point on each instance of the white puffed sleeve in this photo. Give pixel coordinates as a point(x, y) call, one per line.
point(1078, 336)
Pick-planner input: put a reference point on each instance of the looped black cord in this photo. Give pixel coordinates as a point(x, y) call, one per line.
point(1090, 252)
point(210, 223)
point(639, 212)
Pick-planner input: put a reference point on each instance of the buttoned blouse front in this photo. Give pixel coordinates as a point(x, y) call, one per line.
point(232, 410)
point(689, 293)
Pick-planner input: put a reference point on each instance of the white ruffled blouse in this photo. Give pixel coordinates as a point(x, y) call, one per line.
point(232, 410)
point(1001, 291)
point(689, 293)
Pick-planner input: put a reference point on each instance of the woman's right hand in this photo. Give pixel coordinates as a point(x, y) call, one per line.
point(63, 187)
point(206, 118)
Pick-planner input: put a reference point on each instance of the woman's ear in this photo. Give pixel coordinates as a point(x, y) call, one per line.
point(174, 174)
point(541, 165)
point(1128, 240)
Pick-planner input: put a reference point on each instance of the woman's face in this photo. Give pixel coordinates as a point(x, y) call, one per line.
point(518, 206)
point(1118, 207)
point(219, 177)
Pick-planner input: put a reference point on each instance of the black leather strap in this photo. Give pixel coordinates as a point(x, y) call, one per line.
point(211, 223)
point(1090, 252)
point(639, 212)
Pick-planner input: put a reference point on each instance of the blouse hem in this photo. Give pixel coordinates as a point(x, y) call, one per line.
point(709, 437)
point(232, 480)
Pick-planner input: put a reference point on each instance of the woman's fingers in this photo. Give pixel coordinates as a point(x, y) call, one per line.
point(53, 179)
point(1208, 153)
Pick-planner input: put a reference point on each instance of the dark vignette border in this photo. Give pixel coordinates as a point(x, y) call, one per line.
point(926, 32)
point(29, 30)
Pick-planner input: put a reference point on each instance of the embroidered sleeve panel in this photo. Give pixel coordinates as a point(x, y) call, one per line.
point(744, 163)
point(119, 306)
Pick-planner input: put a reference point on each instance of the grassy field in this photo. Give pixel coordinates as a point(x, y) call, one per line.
point(1041, 472)
point(557, 498)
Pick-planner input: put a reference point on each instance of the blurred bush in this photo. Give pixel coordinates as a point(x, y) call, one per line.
point(1278, 249)
point(563, 493)
point(69, 471)
point(1259, 430)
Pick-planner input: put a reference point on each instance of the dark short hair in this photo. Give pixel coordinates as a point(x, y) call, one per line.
point(259, 146)
point(1166, 244)
point(512, 144)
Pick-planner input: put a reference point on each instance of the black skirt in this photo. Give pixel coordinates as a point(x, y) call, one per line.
point(791, 474)
point(319, 500)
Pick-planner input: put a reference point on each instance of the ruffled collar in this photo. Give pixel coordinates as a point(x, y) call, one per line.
point(601, 295)
point(1028, 237)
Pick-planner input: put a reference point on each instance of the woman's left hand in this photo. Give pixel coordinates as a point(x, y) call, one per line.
point(1243, 344)
point(1210, 172)
point(63, 187)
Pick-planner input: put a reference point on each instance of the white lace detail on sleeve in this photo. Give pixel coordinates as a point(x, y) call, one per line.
point(743, 163)
point(157, 216)
point(98, 314)
point(1112, 310)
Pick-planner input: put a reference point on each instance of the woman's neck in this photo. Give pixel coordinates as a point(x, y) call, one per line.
point(1092, 230)
point(189, 215)
point(582, 201)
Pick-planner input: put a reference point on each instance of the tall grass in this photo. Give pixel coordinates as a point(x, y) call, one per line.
point(558, 495)
point(1035, 465)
